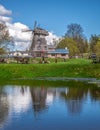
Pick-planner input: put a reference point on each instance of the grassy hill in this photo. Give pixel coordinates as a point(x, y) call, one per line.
point(70, 68)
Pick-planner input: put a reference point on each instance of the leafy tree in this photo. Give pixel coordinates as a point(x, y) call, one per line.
point(97, 48)
point(82, 44)
point(93, 41)
point(75, 31)
point(5, 38)
point(70, 44)
point(2, 51)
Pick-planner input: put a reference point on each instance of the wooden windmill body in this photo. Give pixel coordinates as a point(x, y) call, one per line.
point(39, 45)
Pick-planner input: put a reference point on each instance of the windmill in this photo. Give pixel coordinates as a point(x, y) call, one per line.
point(38, 45)
point(28, 30)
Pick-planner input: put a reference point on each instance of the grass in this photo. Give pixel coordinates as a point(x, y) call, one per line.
point(70, 68)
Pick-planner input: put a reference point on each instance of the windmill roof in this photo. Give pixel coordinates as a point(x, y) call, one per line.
point(41, 31)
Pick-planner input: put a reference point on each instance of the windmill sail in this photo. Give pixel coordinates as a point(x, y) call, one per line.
point(33, 42)
point(33, 37)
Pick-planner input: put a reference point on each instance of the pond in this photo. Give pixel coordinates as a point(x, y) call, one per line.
point(49, 106)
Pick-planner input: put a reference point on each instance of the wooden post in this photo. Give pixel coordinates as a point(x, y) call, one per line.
point(55, 58)
point(42, 55)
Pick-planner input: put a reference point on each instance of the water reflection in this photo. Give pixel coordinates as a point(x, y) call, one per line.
point(19, 98)
point(4, 106)
point(95, 94)
point(74, 98)
point(39, 96)
point(22, 103)
point(42, 97)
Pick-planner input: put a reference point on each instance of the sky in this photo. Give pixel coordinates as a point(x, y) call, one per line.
point(52, 15)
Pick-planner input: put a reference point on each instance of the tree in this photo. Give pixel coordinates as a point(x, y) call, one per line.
point(75, 31)
point(97, 48)
point(93, 41)
point(5, 38)
point(2, 51)
point(70, 44)
point(82, 45)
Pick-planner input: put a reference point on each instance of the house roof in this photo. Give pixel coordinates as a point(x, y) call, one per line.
point(59, 51)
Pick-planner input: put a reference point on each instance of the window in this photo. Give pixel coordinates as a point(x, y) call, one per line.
point(63, 54)
point(52, 54)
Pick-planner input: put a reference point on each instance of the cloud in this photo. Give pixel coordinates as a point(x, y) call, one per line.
point(5, 19)
point(15, 30)
point(50, 39)
point(22, 40)
point(4, 11)
point(4, 14)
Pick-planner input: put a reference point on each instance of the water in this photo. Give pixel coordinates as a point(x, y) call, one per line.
point(23, 107)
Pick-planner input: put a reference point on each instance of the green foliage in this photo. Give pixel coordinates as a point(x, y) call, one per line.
point(2, 51)
point(97, 48)
point(75, 31)
point(93, 41)
point(70, 44)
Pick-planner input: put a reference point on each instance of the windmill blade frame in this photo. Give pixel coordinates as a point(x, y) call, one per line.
point(27, 30)
point(35, 24)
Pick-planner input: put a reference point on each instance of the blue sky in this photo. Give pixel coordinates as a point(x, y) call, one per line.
point(55, 15)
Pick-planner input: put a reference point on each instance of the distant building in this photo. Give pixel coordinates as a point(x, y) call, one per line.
point(19, 54)
point(40, 48)
point(50, 53)
point(60, 53)
point(39, 45)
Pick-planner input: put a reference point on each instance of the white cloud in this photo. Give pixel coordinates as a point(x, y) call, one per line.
point(15, 30)
point(4, 11)
point(50, 39)
point(22, 40)
point(5, 19)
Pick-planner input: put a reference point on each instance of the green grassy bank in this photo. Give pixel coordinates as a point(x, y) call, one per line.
point(70, 68)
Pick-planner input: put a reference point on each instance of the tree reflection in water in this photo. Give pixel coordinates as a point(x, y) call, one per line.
point(76, 95)
point(95, 93)
point(26, 99)
point(74, 98)
point(4, 106)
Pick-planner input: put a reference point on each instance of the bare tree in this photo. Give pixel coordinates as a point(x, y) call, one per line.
point(74, 30)
point(5, 38)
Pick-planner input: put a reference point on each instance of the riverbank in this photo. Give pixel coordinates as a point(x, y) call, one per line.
point(78, 68)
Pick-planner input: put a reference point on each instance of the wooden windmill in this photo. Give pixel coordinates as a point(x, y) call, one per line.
point(39, 45)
